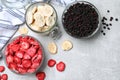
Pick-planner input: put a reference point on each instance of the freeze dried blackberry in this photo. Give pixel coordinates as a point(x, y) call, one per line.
point(80, 20)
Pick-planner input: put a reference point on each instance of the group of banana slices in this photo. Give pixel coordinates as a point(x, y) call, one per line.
point(41, 18)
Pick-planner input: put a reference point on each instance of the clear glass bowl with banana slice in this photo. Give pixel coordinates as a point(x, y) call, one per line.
point(41, 18)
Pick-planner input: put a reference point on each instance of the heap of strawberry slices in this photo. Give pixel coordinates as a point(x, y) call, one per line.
point(24, 55)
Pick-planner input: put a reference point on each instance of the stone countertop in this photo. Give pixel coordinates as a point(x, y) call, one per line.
point(97, 58)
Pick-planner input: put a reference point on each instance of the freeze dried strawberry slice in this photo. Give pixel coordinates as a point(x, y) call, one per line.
point(31, 70)
point(25, 45)
point(35, 65)
point(15, 47)
point(2, 68)
point(39, 52)
point(31, 51)
point(40, 75)
point(60, 66)
point(4, 77)
point(51, 62)
point(26, 63)
point(36, 58)
point(17, 60)
point(9, 59)
point(19, 54)
point(22, 70)
point(36, 46)
point(12, 66)
point(26, 56)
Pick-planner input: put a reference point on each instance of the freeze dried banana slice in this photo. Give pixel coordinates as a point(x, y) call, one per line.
point(67, 45)
point(40, 9)
point(35, 27)
point(39, 20)
point(45, 28)
point(50, 21)
point(23, 30)
point(52, 48)
point(48, 10)
point(34, 10)
point(30, 18)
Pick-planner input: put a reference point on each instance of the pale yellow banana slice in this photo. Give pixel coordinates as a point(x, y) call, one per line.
point(34, 10)
point(50, 21)
point(23, 30)
point(40, 9)
point(67, 45)
point(35, 27)
point(45, 28)
point(30, 18)
point(39, 20)
point(52, 48)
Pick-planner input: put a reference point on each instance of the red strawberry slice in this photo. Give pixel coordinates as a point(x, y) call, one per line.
point(31, 51)
point(36, 58)
point(15, 47)
point(9, 59)
point(17, 60)
point(39, 52)
point(25, 45)
point(31, 70)
point(22, 70)
point(35, 65)
point(40, 75)
point(51, 63)
point(60, 66)
point(26, 56)
point(19, 54)
point(4, 77)
point(26, 63)
point(12, 66)
point(2, 68)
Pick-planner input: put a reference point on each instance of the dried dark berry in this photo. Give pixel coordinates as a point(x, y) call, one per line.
point(80, 20)
point(110, 24)
point(104, 27)
point(104, 18)
point(107, 25)
point(116, 19)
point(101, 31)
point(108, 28)
point(104, 34)
point(111, 18)
point(108, 11)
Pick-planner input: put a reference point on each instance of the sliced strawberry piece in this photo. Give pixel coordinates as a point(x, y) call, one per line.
point(36, 46)
point(9, 59)
point(26, 56)
point(2, 68)
point(60, 66)
point(20, 65)
point(15, 47)
point(51, 63)
point(25, 45)
point(26, 63)
point(17, 60)
point(31, 70)
point(36, 58)
point(4, 77)
point(35, 65)
point(17, 40)
point(40, 75)
point(19, 54)
point(31, 51)
point(39, 52)
point(23, 39)
point(22, 70)
point(12, 66)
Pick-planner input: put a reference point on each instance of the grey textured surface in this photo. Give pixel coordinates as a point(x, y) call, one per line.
point(97, 58)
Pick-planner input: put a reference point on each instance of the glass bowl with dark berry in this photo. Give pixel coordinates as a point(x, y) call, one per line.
point(81, 19)
point(24, 55)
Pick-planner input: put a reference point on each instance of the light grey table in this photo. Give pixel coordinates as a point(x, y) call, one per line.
point(97, 58)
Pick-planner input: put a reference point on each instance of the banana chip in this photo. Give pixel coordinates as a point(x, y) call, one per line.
point(23, 30)
point(67, 45)
point(52, 48)
point(50, 21)
point(34, 10)
point(30, 18)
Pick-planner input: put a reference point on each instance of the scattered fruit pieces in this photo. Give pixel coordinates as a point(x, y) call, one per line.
point(2, 68)
point(67, 45)
point(52, 48)
point(51, 63)
point(4, 77)
point(23, 30)
point(40, 75)
point(60, 66)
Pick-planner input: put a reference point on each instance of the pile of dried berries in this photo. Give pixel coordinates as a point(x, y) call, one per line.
point(3, 76)
point(24, 55)
point(80, 20)
point(107, 23)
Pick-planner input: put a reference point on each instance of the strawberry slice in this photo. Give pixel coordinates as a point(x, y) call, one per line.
point(22, 70)
point(4, 77)
point(26, 56)
point(51, 63)
point(12, 66)
point(15, 47)
point(36, 58)
point(31, 51)
point(9, 59)
point(17, 60)
point(31, 70)
point(35, 65)
point(26, 63)
point(60, 66)
point(40, 75)
point(19, 54)
point(2, 68)
point(25, 45)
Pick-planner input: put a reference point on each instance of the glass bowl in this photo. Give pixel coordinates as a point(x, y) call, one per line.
point(24, 55)
point(85, 2)
point(30, 9)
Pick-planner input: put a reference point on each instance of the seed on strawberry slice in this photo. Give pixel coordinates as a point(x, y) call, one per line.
point(4, 77)
point(9, 59)
point(17, 60)
point(35, 65)
point(12, 66)
point(31, 70)
point(40, 75)
point(26, 56)
point(31, 51)
point(26, 63)
point(15, 47)
point(22, 70)
point(19, 54)
point(51, 63)
point(25, 45)
point(2, 68)
point(60, 66)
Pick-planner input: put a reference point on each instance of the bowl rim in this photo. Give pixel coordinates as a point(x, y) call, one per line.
point(36, 3)
point(99, 18)
point(42, 49)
